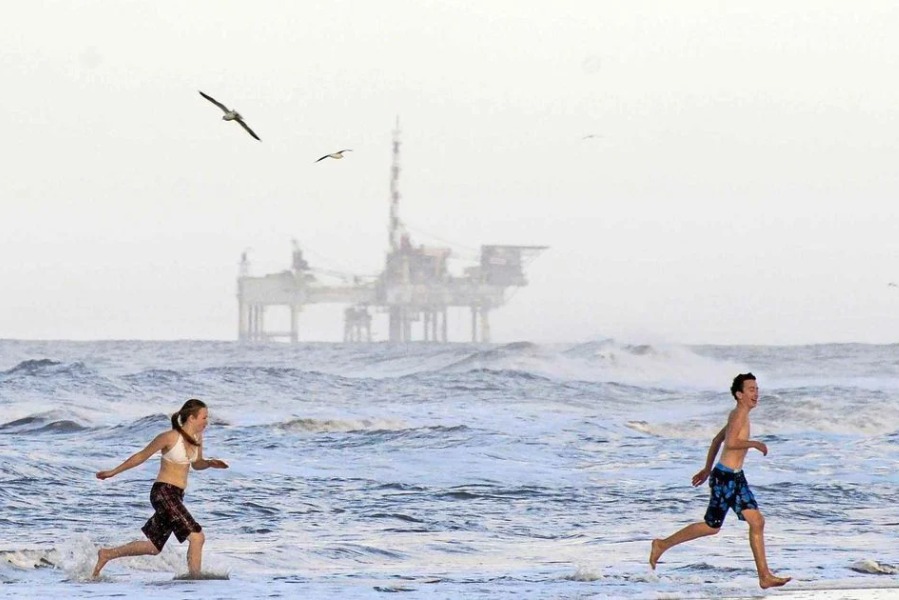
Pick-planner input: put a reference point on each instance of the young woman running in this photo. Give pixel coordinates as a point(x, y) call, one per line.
point(181, 447)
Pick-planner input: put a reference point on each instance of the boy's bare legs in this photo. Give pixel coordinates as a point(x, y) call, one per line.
point(690, 532)
point(756, 521)
point(136, 548)
point(195, 553)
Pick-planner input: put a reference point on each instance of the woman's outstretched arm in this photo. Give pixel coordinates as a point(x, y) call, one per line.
point(158, 443)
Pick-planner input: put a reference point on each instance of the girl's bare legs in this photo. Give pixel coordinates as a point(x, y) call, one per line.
point(136, 548)
point(195, 553)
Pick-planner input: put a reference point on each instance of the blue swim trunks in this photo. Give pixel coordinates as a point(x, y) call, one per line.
point(729, 490)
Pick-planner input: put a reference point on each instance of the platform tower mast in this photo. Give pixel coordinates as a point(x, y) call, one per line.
point(394, 226)
point(398, 319)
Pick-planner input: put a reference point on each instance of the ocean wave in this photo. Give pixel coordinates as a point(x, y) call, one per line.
point(585, 574)
point(48, 422)
point(46, 366)
point(643, 427)
point(697, 428)
point(489, 355)
point(308, 425)
point(607, 361)
point(480, 379)
point(144, 423)
point(31, 367)
point(873, 567)
point(233, 379)
point(30, 558)
point(359, 433)
point(814, 409)
point(357, 552)
point(264, 372)
point(396, 516)
point(155, 377)
point(784, 413)
point(640, 365)
point(493, 492)
point(43, 380)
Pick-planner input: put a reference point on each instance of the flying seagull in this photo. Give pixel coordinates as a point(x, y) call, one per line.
point(230, 115)
point(338, 154)
point(590, 136)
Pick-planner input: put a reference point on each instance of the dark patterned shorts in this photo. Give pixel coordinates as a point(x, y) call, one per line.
point(170, 516)
point(729, 491)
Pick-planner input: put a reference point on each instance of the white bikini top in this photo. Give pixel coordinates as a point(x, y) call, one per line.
point(178, 453)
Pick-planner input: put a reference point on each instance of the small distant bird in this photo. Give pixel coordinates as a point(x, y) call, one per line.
point(891, 284)
point(590, 136)
point(230, 115)
point(338, 154)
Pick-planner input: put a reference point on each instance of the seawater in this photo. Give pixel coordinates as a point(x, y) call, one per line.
point(445, 471)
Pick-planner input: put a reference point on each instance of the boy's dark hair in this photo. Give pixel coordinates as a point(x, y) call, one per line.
point(737, 385)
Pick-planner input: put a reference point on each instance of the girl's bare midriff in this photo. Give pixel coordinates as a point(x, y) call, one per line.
point(173, 473)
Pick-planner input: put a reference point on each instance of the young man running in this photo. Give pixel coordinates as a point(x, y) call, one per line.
point(729, 488)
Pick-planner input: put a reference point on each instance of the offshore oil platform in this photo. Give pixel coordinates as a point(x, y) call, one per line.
point(414, 287)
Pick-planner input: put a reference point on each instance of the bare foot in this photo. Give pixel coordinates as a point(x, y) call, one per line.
point(772, 581)
point(103, 557)
point(656, 552)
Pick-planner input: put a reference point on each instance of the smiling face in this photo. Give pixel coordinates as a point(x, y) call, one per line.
point(197, 422)
point(749, 396)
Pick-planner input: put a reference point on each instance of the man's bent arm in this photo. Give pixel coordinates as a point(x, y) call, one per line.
point(714, 447)
point(744, 445)
point(702, 475)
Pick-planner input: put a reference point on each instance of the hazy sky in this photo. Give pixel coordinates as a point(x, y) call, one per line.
point(743, 189)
